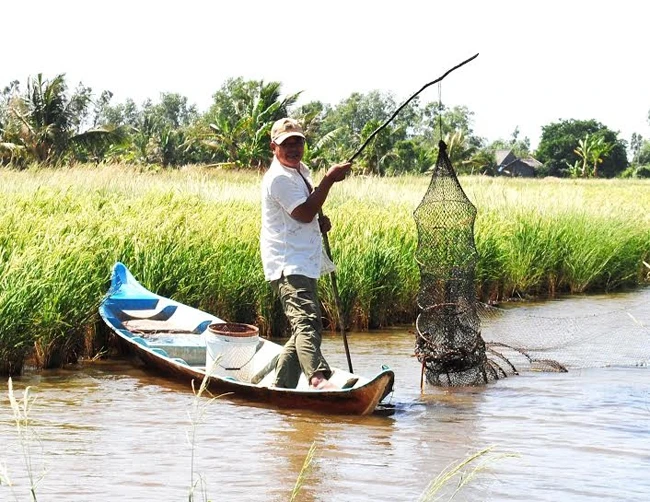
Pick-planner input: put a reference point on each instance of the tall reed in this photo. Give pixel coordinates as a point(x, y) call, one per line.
point(462, 473)
point(27, 436)
point(192, 234)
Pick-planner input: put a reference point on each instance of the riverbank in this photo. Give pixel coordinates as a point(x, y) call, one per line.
point(192, 234)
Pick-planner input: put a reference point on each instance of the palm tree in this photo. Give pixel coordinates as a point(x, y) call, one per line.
point(240, 121)
point(459, 150)
point(47, 122)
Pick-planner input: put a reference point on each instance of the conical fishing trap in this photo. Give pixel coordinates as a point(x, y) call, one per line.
point(449, 342)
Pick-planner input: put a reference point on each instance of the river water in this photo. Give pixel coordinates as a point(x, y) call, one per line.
point(107, 431)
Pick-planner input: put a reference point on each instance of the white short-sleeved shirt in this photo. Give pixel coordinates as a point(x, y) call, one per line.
point(287, 245)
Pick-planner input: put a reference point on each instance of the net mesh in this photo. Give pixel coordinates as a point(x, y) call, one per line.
point(449, 342)
point(613, 335)
point(453, 326)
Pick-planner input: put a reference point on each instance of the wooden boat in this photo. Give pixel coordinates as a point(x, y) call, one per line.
point(177, 341)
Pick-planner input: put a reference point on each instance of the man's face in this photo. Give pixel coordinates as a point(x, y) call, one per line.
point(290, 152)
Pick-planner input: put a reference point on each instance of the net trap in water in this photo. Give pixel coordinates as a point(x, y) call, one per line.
point(450, 343)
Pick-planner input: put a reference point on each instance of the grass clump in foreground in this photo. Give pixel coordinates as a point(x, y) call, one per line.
point(193, 234)
point(26, 437)
point(462, 473)
point(197, 416)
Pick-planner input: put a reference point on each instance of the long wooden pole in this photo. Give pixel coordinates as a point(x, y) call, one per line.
point(390, 119)
point(337, 301)
point(326, 242)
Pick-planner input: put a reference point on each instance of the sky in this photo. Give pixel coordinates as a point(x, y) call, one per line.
point(539, 62)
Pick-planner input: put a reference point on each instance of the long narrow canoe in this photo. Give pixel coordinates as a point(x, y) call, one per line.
point(175, 341)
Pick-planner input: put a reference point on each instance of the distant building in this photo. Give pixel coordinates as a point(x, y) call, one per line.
point(508, 164)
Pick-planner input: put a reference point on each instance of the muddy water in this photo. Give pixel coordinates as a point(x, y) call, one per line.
point(108, 431)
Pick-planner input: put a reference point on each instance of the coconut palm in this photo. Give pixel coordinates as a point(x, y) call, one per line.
point(44, 124)
point(239, 122)
point(460, 150)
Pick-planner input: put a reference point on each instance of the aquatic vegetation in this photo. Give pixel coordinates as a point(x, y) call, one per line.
point(27, 437)
point(196, 415)
point(462, 472)
point(304, 472)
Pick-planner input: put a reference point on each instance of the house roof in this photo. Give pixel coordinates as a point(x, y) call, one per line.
point(534, 163)
point(504, 157)
point(505, 160)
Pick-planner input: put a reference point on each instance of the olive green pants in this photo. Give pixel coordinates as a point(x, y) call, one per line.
point(301, 354)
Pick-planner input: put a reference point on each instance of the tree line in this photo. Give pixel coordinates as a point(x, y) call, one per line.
point(46, 123)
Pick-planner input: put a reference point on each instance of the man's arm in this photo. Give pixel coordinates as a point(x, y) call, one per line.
point(306, 211)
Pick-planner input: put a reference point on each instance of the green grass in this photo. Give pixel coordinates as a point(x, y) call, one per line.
point(192, 234)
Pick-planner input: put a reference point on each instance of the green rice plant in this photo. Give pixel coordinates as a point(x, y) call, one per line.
point(376, 270)
point(530, 255)
point(542, 237)
point(193, 234)
point(604, 256)
point(18, 294)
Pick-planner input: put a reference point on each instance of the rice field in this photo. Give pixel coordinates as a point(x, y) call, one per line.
point(192, 234)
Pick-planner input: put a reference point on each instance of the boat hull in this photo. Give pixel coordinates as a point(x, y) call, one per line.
point(167, 337)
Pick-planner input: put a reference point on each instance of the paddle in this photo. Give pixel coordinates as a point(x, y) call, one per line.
point(326, 243)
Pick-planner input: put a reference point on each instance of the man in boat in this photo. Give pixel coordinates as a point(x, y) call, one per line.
point(292, 251)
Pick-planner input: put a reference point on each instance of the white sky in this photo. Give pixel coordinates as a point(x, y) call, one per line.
point(540, 61)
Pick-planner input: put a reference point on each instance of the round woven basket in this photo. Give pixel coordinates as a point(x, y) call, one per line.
point(234, 329)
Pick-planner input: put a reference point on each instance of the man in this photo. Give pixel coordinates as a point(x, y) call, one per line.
point(292, 252)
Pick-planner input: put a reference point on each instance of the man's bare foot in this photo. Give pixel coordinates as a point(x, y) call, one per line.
point(319, 382)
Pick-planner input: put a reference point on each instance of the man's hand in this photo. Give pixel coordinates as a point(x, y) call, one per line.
point(338, 172)
point(325, 224)
point(306, 211)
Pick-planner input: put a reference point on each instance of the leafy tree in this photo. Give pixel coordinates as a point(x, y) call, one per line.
point(355, 118)
point(46, 124)
point(643, 157)
point(519, 147)
point(636, 143)
point(310, 116)
point(237, 126)
point(436, 116)
point(11, 151)
point(456, 126)
point(155, 133)
point(121, 114)
point(460, 150)
point(359, 109)
point(320, 146)
point(412, 155)
point(164, 126)
point(642, 172)
point(376, 157)
point(482, 162)
point(557, 147)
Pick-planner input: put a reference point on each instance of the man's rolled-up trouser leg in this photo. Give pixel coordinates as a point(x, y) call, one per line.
point(299, 298)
